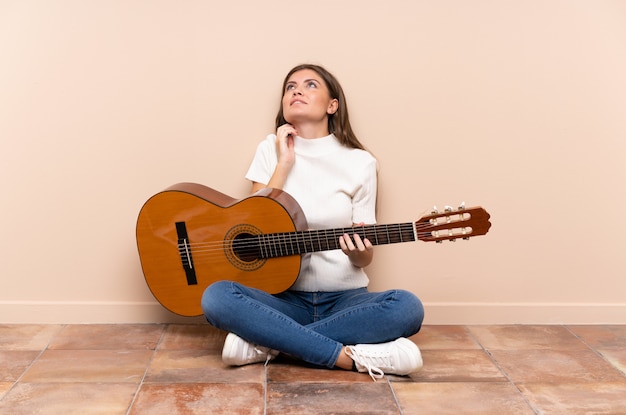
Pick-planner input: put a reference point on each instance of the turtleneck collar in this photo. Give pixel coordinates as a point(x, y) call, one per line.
point(316, 146)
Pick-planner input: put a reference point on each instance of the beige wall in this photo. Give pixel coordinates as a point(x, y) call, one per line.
point(518, 106)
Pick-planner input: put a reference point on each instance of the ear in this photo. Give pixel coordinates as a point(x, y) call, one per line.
point(333, 106)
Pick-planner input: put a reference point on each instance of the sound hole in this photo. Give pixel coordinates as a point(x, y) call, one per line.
point(246, 247)
point(241, 247)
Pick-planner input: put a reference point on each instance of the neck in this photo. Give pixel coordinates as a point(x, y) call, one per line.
point(311, 131)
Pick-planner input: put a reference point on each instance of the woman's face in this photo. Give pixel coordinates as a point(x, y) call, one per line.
point(306, 98)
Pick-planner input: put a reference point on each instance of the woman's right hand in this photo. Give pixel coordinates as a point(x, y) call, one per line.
point(284, 145)
point(286, 157)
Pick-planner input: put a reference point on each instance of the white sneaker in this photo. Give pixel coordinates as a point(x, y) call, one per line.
point(238, 352)
point(399, 357)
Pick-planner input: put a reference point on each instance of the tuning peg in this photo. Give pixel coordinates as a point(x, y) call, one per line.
point(462, 206)
point(434, 211)
point(448, 209)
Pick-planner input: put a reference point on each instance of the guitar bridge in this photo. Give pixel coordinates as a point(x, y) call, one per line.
point(184, 249)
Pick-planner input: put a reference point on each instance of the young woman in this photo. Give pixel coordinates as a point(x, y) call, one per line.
point(328, 317)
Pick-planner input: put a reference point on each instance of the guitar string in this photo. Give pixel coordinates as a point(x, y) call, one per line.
point(310, 236)
point(297, 236)
point(253, 253)
point(279, 245)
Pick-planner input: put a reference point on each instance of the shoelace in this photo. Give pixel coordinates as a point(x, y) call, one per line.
point(366, 362)
point(269, 356)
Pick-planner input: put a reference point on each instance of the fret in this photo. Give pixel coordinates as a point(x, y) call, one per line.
point(260, 244)
point(301, 243)
point(326, 242)
point(374, 235)
point(272, 245)
point(386, 234)
point(395, 234)
point(291, 250)
point(266, 248)
point(280, 244)
point(310, 244)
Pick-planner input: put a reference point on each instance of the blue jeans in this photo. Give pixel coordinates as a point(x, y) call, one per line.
point(312, 326)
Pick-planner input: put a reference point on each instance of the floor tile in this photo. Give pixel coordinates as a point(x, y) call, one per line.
point(526, 338)
point(13, 363)
point(609, 341)
point(457, 366)
point(604, 337)
point(457, 398)
point(197, 366)
point(89, 366)
point(198, 398)
point(107, 337)
point(577, 399)
point(4, 388)
point(616, 357)
point(324, 398)
point(192, 336)
point(555, 366)
point(296, 372)
point(177, 369)
point(445, 337)
point(27, 336)
point(68, 399)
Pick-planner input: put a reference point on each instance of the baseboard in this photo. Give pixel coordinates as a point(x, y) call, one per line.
point(525, 313)
point(444, 313)
point(88, 312)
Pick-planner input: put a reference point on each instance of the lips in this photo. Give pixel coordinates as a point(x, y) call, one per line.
point(296, 101)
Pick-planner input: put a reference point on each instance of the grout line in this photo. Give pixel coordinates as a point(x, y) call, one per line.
point(593, 349)
point(501, 369)
point(265, 388)
point(395, 397)
point(41, 352)
point(145, 373)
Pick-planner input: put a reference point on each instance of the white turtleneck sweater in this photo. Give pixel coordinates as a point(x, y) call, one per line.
point(335, 186)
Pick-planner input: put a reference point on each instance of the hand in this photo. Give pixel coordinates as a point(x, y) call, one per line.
point(360, 251)
point(286, 157)
point(284, 144)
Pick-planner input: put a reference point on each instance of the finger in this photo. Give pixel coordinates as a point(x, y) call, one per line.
point(358, 242)
point(286, 130)
point(368, 244)
point(347, 250)
point(342, 244)
point(348, 242)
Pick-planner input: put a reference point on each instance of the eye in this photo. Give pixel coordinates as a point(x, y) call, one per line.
point(312, 84)
point(289, 87)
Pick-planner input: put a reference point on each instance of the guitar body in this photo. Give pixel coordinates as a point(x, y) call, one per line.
point(185, 240)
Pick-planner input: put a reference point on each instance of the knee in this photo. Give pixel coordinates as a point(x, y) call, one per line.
point(414, 310)
point(213, 301)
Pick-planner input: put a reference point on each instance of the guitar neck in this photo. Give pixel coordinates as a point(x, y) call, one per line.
point(302, 242)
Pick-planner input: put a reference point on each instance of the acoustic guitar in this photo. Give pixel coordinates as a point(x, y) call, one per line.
point(190, 236)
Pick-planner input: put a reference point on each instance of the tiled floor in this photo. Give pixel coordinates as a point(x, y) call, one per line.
point(176, 369)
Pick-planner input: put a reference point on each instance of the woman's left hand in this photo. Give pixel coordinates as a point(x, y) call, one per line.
point(360, 251)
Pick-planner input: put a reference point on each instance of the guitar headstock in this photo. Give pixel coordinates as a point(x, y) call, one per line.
point(453, 224)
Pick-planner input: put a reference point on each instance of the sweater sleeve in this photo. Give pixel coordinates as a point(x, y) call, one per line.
point(364, 199)
point(264, 162)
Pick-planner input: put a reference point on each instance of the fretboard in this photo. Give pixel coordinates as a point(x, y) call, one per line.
point(302, 242)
